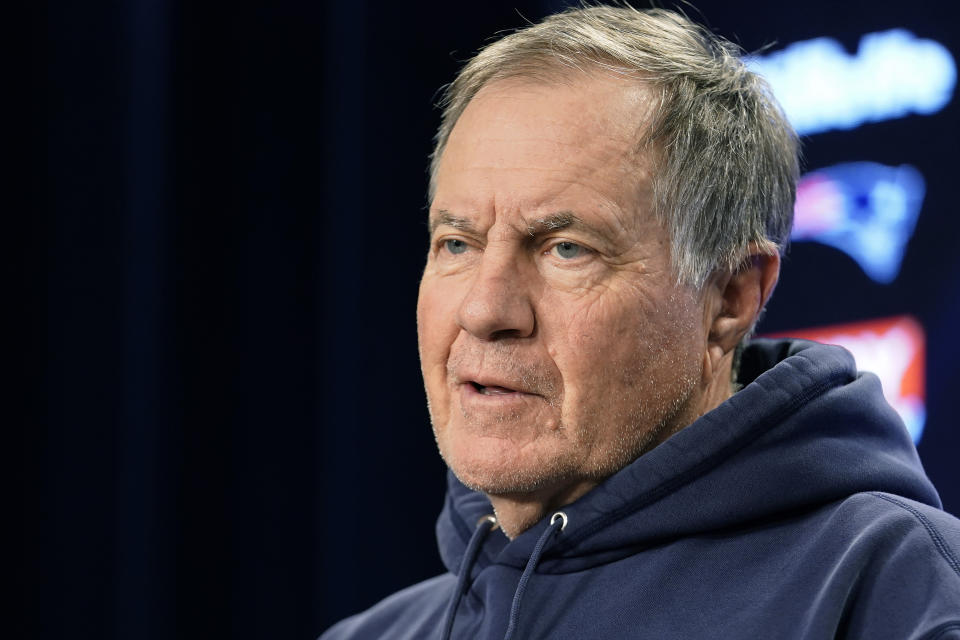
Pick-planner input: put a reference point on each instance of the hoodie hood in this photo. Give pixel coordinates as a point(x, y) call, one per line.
point(805, 430)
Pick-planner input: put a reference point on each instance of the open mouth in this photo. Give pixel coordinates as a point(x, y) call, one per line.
point(491, 390)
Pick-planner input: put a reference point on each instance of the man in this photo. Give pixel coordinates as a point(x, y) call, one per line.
point(610, 191)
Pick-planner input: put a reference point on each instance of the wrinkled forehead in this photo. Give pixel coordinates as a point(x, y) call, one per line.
point(528, 139)
point(534, 147)
point(580, 109)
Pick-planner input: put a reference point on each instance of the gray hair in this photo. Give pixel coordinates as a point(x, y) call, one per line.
point(725, 157)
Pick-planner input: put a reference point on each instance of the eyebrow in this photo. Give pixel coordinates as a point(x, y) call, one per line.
point(444, 217)
point(551, 222)
point(554, 222)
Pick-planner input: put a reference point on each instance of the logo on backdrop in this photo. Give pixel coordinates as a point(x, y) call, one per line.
point(865, 209)
point(893, 74)
point(894, 350)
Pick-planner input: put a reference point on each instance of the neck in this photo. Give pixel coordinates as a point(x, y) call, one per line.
point(517, 512)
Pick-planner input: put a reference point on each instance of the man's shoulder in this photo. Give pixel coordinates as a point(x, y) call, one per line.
point(892, 521)
point(902, 559)
point(405, 614)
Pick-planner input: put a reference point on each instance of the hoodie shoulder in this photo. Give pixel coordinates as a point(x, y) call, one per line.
point(906, 556)
point(942, 530)
point(407, 614)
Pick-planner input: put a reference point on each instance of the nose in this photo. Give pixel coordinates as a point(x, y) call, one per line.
point(498, 303)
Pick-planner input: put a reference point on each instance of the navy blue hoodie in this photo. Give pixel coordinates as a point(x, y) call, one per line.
point(796, 509)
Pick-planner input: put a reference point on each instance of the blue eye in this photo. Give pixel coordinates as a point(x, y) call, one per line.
point(568, 250)
point(455, 246)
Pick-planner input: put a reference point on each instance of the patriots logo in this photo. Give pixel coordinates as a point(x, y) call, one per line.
point(865, 209)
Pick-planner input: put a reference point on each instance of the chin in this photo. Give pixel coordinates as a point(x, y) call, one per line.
point(500, 468)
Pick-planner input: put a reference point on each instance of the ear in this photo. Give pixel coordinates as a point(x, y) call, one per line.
point(737, 299)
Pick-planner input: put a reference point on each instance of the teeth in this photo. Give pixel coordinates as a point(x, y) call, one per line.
point(494, 391)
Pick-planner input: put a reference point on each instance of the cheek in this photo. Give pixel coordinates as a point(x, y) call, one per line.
point(437, 328)
point(615, 342)
point(595, 328)
point(590, 340)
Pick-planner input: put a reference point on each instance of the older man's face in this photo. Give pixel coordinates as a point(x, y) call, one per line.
point(555, 344)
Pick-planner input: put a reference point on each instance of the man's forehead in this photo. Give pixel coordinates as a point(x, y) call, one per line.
point(538, 157)
point(620, 105)
point(565, 130)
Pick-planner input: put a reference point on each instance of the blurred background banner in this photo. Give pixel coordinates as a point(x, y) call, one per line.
point(228, 433)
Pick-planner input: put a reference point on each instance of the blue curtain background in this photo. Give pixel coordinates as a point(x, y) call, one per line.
point(226, 433)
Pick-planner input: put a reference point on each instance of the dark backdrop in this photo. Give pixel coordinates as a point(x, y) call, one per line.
point(226, 433)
